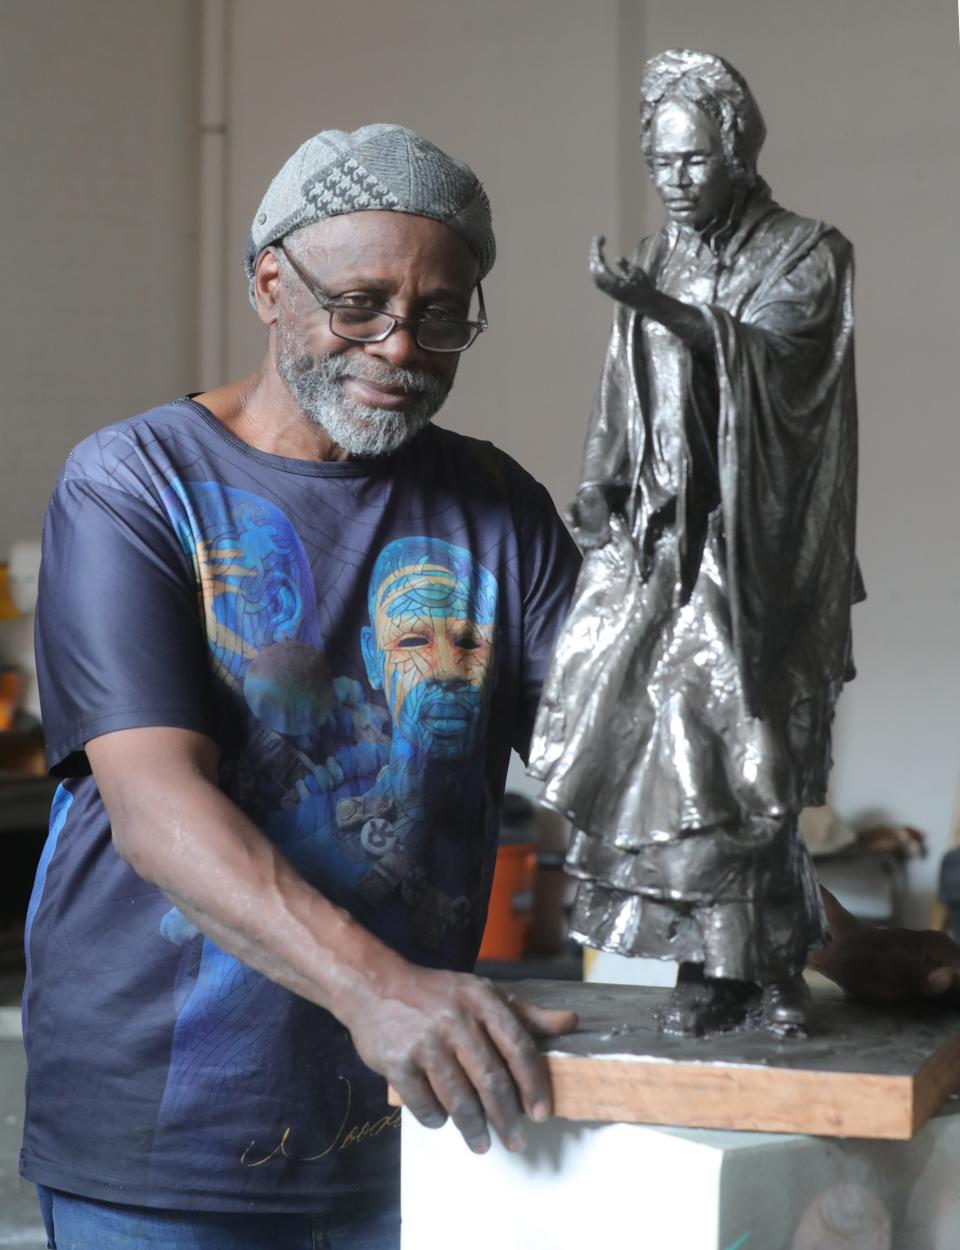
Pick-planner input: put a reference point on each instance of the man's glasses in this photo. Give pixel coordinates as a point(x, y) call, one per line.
point(370, 325)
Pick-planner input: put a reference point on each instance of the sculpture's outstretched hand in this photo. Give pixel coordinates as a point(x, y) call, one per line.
point(887, 965)
point(625, 282)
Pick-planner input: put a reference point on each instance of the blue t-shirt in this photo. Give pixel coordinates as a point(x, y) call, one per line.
point(365, 641)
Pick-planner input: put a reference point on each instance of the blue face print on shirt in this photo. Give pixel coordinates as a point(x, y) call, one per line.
point(429, 645)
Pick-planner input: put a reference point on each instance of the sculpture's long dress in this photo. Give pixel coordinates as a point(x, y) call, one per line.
point(686, 716)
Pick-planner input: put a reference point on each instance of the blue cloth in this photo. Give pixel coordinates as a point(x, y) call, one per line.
point(365, 642)
point(75, 1223)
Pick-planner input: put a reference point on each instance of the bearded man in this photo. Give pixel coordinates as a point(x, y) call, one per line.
point(211, 1074)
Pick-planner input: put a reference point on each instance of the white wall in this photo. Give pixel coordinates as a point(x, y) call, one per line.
point(861, 98)
point(97, 132)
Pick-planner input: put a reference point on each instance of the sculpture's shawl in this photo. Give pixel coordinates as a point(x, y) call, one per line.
point(785, 440)
point(692, 685)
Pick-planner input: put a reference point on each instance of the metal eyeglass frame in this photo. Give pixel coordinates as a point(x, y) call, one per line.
point(332, 307)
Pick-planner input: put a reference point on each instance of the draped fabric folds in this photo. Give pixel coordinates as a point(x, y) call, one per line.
point(686, 715)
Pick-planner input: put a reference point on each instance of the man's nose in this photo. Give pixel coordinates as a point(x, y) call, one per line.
point(399, 348)
point(683, 176)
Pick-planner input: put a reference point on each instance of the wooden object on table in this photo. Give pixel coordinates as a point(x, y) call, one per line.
point(938, 912)
point(867, 1071)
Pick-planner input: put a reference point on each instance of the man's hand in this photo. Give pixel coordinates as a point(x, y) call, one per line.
point(627, 283)
point(451, 1044)
point(887, 965)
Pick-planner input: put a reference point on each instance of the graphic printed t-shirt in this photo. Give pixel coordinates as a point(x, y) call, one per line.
point(365, 641)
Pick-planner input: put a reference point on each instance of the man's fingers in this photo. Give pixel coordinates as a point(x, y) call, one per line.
point(416, 1095)
point(458, 1096)
point(491, 1079)
point(527, 1065)
point(542, 1021)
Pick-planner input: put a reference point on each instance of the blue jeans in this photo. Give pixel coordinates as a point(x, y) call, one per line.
point(86, 1224)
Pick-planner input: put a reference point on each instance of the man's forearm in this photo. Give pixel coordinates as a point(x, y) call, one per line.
point(187, 838)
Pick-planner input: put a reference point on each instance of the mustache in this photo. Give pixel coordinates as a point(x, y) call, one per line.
point(414, 381)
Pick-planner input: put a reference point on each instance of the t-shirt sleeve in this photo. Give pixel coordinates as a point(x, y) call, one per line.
point(119, 638)
point(550, 563)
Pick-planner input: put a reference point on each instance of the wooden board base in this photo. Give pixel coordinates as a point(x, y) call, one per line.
point(865, 1071)
point(873, 1072)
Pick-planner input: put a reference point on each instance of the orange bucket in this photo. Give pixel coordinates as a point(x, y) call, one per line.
point(510, 915)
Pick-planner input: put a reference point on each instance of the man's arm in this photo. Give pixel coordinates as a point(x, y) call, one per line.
point(886, 965)
point(448, 1042)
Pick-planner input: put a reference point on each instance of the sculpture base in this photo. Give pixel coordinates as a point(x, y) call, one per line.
point(585, 1180)
point(864, 1071)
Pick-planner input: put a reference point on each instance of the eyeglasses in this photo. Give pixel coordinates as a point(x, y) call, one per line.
point(371, 325)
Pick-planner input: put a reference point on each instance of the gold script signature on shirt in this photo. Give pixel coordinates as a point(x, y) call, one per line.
point(343, 1139)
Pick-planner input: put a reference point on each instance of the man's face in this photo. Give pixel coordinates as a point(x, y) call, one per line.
point(435, 660)
point(371, 397)
point(689, 170)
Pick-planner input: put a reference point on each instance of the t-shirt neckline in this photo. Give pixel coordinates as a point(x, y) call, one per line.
point(288, 464)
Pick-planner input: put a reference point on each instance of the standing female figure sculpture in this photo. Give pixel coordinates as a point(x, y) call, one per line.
point(686, 717)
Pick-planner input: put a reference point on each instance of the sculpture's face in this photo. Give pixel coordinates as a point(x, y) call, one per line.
point(689, 170)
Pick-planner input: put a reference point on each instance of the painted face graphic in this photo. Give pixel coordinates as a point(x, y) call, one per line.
point(430, 645)
point(253, 572)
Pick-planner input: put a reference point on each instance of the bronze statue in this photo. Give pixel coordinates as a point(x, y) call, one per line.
point(686, 716)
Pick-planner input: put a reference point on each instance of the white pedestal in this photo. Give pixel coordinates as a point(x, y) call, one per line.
point(586, 1186)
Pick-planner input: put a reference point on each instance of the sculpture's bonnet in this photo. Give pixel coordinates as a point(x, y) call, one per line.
point(703, 77)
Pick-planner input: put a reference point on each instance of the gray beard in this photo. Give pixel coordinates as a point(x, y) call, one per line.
point(360, 429)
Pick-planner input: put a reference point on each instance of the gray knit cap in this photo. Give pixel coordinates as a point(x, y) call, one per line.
point(375, 167)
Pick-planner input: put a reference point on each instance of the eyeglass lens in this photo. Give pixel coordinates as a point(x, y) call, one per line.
point(363, 325)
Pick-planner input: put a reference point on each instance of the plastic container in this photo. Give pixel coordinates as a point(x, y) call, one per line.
point(510, 914)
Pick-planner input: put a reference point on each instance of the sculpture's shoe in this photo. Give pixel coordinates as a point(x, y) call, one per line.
point(787, 1008)
point(696, 1008)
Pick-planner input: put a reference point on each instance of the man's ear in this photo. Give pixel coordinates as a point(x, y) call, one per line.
point(372, 657)
point(266, 286)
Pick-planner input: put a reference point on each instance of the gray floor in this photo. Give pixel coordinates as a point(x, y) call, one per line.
point(20, 1225)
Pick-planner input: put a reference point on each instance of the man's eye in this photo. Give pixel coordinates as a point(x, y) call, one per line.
point(357, 301)
point(355, 314)
point(412, 640)
point(441, 314)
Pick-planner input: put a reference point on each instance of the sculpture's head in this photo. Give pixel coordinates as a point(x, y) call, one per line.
point(701, 132)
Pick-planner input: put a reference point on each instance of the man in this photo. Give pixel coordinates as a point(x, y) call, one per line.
point(288, 634)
